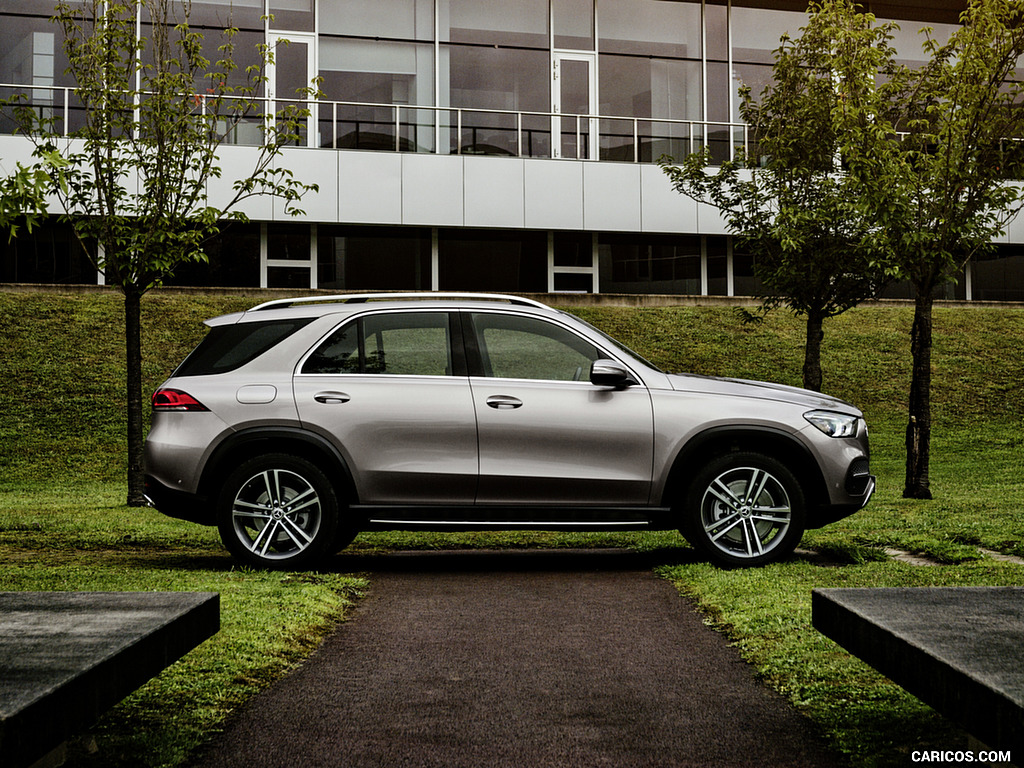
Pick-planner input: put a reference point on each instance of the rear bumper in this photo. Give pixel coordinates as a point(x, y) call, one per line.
point(175, 503)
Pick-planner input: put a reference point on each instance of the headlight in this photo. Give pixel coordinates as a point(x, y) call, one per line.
point(834, 424)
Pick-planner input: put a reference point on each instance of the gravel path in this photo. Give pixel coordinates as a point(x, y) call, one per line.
point(532, 659)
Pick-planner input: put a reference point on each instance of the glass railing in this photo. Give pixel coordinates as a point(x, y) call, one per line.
point(434, 130)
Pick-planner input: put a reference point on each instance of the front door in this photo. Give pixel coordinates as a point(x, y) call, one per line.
point(547, 435)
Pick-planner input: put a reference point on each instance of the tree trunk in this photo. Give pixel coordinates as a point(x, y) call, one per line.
point(133, 348)
point(919, 426)
point(812, 352)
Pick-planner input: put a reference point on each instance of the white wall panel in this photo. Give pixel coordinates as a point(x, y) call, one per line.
point(494, 189)
point(311, 166)
point(235, 163)
point(662, 208)
point(611, 197)
point(432, 190)
point(369, 188)
point(710, 221)
point(553, 194)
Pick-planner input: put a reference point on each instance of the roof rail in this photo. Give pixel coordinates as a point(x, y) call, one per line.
point(361, 298)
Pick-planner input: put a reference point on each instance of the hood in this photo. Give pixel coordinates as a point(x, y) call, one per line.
point(763, 390)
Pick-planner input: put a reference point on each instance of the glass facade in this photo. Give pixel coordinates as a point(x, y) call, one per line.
point(621, 81)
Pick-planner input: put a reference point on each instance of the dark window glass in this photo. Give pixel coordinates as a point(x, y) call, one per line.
point(233, 260)
point(49, 254)
point(650, 264)
point(485, 260)
point(1000, 278)
point(573, 282)
point(514, 347)
point(718, 266)
point(573, 249)
point(373, 258)
point(288, 277)
point(399, 344)
point(288, 242)
point(227, 347)
point(745, 283)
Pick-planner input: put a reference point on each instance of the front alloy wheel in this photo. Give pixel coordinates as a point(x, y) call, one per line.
point(745, 509)
point(278, 511)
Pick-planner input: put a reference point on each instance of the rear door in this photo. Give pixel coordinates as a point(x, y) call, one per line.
point(390, 390)
point(547, 435)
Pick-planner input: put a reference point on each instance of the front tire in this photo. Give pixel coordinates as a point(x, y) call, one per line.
point(744, 509)
point(278, 511)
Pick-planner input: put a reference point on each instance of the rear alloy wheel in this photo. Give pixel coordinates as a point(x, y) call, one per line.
point(745, 509)
point(278, 511)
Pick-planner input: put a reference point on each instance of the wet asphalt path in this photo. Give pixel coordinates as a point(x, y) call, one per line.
point(532, 659)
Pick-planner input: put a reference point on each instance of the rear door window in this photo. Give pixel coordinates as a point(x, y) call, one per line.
point(397, 344)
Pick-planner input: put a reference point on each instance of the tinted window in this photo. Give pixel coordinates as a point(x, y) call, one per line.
point(227, 347)
point(401, 344)
point(526, 348)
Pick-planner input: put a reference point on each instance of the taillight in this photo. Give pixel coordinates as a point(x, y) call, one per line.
point(176, 400)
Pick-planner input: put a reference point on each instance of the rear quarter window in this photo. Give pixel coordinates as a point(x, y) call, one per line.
point(227, 347)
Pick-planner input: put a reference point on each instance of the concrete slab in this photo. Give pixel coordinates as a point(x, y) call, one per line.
point(958, 649)
point(67, 657)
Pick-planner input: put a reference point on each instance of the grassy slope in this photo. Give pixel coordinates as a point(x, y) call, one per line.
point(61, 436)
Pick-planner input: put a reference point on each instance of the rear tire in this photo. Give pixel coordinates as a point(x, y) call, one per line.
point(744, 509)
point(278, 511)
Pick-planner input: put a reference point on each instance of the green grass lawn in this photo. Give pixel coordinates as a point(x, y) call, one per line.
point(63, 524)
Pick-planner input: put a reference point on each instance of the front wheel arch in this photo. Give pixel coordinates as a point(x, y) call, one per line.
point(720, 441)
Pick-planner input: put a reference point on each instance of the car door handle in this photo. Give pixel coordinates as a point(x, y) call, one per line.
point(331, 398)
point(504, 401)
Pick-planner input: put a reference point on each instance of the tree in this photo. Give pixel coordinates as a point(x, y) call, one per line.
point(23, 196)
point(790, 205)
point(135, 187)
point(934, 179)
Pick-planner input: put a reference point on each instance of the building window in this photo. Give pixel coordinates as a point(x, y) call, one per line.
point(1000, 277)
point(373, 73)
point(373, 258)
point(669, 264)
point(489, 260)
point(50, 254)
point(650, 66)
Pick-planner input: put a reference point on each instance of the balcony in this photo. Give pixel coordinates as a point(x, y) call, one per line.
point(438, 130)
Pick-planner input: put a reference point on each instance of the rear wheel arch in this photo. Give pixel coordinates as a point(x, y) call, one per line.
point(716, 442)
point(251, 443)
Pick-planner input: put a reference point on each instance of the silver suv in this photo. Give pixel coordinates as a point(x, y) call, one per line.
point(298, 423)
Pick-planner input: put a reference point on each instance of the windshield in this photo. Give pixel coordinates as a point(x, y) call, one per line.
point(616, 343)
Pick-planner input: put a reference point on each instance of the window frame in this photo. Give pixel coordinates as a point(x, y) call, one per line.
point(478, 365)
point(456, 347)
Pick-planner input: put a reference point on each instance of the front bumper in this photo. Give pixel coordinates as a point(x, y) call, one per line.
point(831, 513)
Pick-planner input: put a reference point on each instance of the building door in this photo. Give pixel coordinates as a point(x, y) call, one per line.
point(574, 99)
point(292, 71)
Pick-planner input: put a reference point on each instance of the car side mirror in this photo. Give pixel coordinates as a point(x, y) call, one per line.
point(608, 373)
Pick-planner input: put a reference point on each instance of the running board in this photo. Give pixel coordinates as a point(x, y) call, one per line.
point(388, 517)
